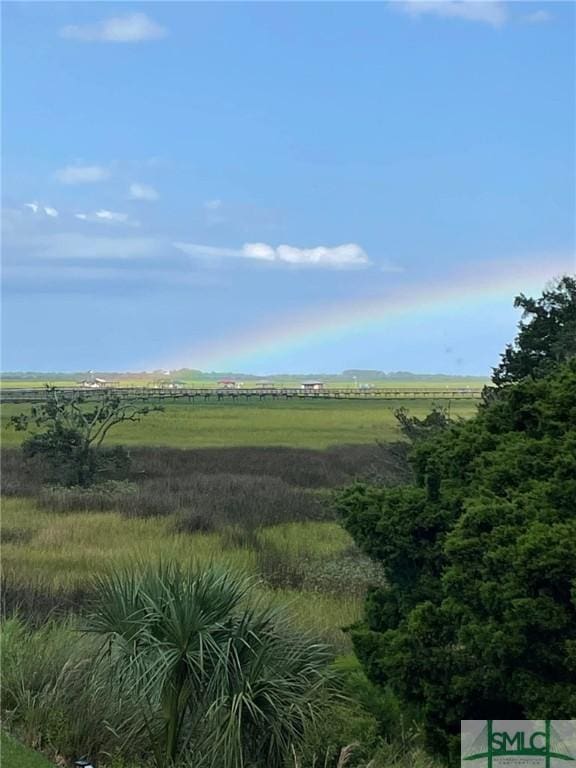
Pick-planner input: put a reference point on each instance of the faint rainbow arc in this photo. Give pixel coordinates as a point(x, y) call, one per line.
point(323, 323)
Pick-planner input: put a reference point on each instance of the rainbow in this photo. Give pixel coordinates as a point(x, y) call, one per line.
point(469, 290)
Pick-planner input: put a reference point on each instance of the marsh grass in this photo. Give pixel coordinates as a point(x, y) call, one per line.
point(50, 561)
point(297, 424)
point(53, 698)
point(65, 698)
point(261, 509)
point(164, 471)
point(271, 518)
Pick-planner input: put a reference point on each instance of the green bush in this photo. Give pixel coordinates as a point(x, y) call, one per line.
point(479, 618)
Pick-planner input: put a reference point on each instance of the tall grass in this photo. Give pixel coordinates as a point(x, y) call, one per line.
point(167, 473)
point(308, 424)
point(61, 696)
point(50, 699)
point(50, 558)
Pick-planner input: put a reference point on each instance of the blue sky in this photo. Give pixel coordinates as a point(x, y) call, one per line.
point(182, 174)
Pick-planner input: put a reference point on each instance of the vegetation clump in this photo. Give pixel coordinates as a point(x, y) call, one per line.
point(547, 334)
point(173, 665)
point(69, 430)
point(478, 617)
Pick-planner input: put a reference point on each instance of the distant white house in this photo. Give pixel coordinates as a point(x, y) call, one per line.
point(93, 382)
point(229, 384)
point(312, 386)
point(171, 384)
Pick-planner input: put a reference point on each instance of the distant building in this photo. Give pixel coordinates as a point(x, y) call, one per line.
point(312, 386)
point(93, 382)
point(265, 385)
point(229, 384)
point(171, 384)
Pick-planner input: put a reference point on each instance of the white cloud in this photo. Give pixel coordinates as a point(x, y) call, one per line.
point(337, 257)
point(348, 255)
point(492, 12)
point(130, 28)
point(143, 192)
point(260, 251)
point(82, 174)
point(213, 205)
point(538, 17)
point(36, 208)
point(104, 216)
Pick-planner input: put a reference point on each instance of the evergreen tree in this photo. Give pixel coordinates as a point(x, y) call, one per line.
point(479, 616)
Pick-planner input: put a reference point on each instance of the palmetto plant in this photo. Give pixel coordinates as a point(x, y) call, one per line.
point(220, 682)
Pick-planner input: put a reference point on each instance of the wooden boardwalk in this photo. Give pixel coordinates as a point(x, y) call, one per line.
point(192, 394)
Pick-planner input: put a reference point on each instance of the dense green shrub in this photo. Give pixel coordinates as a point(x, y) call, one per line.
point(479, 615)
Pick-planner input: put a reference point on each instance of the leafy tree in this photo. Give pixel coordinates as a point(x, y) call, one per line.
point(220, 684)
point(73, 427)
point(479, 616)
point(547, 334)
point(414, 428)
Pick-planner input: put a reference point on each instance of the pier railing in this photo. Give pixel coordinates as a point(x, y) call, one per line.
point(191, 394)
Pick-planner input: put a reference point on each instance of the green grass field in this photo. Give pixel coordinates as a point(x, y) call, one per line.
point(33, 383)
point(16, 755)
point(303, 424)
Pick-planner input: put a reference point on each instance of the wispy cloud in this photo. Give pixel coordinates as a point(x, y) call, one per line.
point(82, 174)
point(100, 216)
point(206, 251)
point(538, 17)
point(130, 28)
point(107, 217)
point(345, 256)
point(492, 12)
point(73, 245)
point(38, 209)
point(143, 192)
